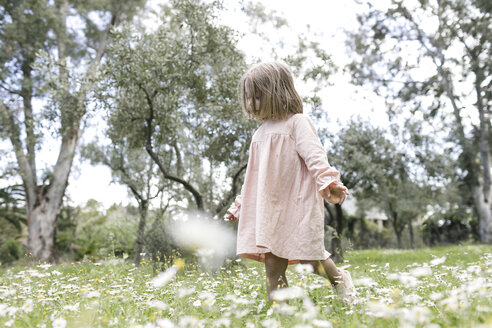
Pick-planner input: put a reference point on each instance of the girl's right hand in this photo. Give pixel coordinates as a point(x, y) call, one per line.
point(335, 193)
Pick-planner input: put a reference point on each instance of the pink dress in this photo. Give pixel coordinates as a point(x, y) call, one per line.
point(280, 209)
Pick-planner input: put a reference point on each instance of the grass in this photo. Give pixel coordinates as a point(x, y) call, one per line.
point(438, 287)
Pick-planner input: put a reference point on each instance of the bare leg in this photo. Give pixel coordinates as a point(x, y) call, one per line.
point(275, 268)
point(327, 269)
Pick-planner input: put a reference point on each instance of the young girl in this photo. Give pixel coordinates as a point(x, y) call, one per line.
point(280, 209)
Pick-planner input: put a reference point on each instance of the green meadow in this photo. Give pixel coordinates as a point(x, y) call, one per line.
point(438, 287)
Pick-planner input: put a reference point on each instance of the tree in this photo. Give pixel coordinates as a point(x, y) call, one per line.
point(431, 59)
point(64, 74)
point(172, 93)
point(133, 168)
point(381, 173)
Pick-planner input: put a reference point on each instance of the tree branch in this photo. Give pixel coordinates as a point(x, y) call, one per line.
point(149, 129)
point(7, 119)
point(232, 192)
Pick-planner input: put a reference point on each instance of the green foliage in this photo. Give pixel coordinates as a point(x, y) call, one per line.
point(174, 91)
point(12, 208)
point(11, 250)
point(380, 174)
point(65, 228)
point(92, 232)
point(456, 225)
point(158, 243)
point(367, 236)
point(430, 60)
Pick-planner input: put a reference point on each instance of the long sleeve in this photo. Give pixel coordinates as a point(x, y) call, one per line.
point(309, 147)
point(235, 208)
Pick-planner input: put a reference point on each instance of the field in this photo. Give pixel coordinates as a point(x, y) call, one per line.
point(441, 287)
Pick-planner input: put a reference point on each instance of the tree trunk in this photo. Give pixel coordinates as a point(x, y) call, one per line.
point(483, 211)
point(410, 229)
point(42, 216)
point(398, 237)
point(143, 210)
point(42, 228)
point(336, 243)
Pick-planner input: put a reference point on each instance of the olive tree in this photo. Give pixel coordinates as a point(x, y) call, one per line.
point(431, 60)
point(51, 51)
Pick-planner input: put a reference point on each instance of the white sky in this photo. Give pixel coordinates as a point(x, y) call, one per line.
point(327, 20)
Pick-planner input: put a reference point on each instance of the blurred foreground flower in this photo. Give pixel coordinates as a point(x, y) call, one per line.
point(59, 323)
point(164, 277)
point(288, 293)
point(210, 240)
point(304, 268)
point(438, 260)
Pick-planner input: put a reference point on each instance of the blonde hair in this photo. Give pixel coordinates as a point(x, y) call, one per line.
point(271, 84)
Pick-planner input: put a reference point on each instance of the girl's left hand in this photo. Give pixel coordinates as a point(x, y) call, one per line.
point(335, 193)
point(230, 217)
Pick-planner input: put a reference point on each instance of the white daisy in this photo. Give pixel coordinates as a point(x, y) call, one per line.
point(27, 307)
point(59, 323)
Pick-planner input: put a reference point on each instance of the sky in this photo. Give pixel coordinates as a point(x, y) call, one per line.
point(327, 20)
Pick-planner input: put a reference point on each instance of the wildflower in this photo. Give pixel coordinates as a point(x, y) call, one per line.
point(182, 292)
point(411, 298)
point(27, 307)
point(210, 240)
point(158, 305)
point(437, 261)
point(261, 305)
point(179, 263)
point(208, 299)
point(188, 322)
point(436, 296)
point(165, 323)
point(197, 303)
point(310, 309)
point(44, 266)
point(474, 269)
point(421, 272)
point(366, 281)
point(93, 294)
point(284, 309)
point(166, 276)
point(270, 323)
point(416, 314)
point(304, 268)
point(3, 309)
point(407, 280)
point(283, 294)
point(380, 310)
point(59, 323)
point(222, 322)
point(11, 310)
point(322, 323)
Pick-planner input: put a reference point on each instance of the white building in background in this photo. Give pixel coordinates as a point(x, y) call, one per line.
point(374, 214)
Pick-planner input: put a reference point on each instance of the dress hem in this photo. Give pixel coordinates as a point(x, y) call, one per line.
point(260, 256)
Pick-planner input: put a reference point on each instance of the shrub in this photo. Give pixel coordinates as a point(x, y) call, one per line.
point(369, 236)
point(451, 227)
point(11, 251)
